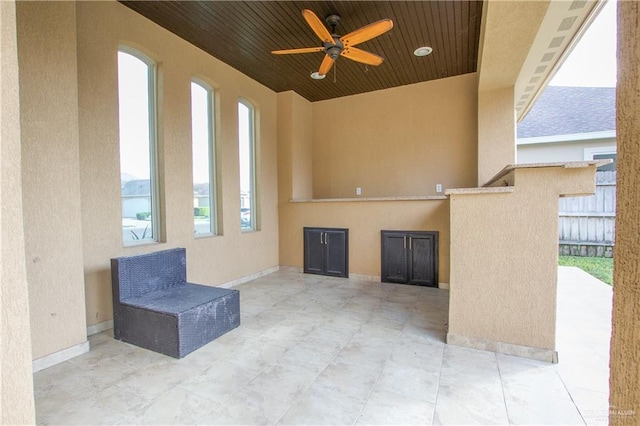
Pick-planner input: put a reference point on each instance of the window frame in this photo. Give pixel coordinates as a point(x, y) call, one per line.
point(252, 163)
point(214, 226)
point(152, 93)
point(590, 153)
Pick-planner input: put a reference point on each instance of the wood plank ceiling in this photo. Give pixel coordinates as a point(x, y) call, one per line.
point(243, 34)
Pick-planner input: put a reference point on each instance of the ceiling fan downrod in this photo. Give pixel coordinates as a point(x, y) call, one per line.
point(332, 21)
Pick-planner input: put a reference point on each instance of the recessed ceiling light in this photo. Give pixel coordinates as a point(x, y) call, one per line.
point(317, 76)
point(422, 51)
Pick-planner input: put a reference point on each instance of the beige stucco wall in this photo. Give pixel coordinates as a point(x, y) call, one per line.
point(102, 26)
point(504, 257)
point(295, 154)
point(365, 220)
point(624, 381)
point(397, 142)
point(559, 151)
point(496, 132)
point(50, 174)
point(16, 384)
point(400, 141)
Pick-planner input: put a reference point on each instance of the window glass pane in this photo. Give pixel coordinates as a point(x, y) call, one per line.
point(607, 167)
point(137, 139)
point(204, 211)
point(247, 166)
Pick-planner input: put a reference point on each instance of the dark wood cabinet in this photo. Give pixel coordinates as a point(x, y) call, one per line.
point(326, 251)
point(410, 257)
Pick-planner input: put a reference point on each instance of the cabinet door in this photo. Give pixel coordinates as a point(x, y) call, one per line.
point(423, 259)
point(337, 252)
point(394, 257)
point(314, 251)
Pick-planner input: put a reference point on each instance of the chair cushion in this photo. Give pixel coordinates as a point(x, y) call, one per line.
point(179, 299)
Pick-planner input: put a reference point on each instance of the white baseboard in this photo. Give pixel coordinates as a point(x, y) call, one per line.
point(248, 278)
point(365, 277)
point(291, 269)
point(358, 277)
point(99, 327)
point(60, 356)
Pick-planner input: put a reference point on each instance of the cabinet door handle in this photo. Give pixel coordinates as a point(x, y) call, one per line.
point(404, 239)
point(321, 236)
point(410, 243)
point(325, 238)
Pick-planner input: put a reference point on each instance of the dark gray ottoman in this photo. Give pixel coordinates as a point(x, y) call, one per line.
point(154, 306)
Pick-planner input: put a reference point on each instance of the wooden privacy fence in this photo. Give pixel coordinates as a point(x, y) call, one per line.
point(586, 225)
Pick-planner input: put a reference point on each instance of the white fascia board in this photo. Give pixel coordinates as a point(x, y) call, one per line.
point(607, 134)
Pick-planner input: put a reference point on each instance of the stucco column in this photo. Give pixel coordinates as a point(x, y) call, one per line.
point(295, 123)
point(15, 336)
point(496, 132)
point(624, 381)
point(47, 56)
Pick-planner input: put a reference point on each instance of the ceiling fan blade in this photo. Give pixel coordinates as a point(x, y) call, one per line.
point(326, 65)
point(302, 50)
point(362, 56)
point(317, 26)
point(367, 32)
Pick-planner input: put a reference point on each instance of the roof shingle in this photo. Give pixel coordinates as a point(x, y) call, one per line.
point(562, 110)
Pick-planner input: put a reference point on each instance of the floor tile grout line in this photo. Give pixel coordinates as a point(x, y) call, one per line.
point(222, 404)
point(330, 363)
point(435, 402)
point(564, 385)
point(263, 369)
point(504, 393)
point(366, 400)
point(310, 384)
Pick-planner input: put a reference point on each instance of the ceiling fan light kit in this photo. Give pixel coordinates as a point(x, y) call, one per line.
point(335, 46)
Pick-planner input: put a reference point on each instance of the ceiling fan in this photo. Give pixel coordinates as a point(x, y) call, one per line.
point(334, 45)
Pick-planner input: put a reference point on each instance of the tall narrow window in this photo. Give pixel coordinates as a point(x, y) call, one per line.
point(203, 148)
point(137, 114)
point(246, 142)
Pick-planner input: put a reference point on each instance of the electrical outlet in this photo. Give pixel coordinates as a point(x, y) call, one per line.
point(438, 187)
point(358, 191)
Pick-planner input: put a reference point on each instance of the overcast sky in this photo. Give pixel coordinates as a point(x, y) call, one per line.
point(592, 63)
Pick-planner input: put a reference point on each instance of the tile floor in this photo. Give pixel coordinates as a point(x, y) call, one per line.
point(317, 350)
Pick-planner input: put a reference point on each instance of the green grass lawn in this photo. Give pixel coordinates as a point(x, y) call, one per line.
point(599, 267)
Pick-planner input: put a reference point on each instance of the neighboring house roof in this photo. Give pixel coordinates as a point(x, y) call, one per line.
point(201, 188)
point(137, 187)
point(562, 110)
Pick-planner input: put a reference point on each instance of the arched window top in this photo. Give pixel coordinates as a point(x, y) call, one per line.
point(246, 102)
point(123, 49)
point(249, 106)
point(203, 83)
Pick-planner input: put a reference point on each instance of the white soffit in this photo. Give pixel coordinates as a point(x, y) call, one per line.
point(560, 30)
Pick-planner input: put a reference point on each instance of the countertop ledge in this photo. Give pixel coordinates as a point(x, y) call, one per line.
point(349, 200)
point(481, 190)
point(563, 164)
